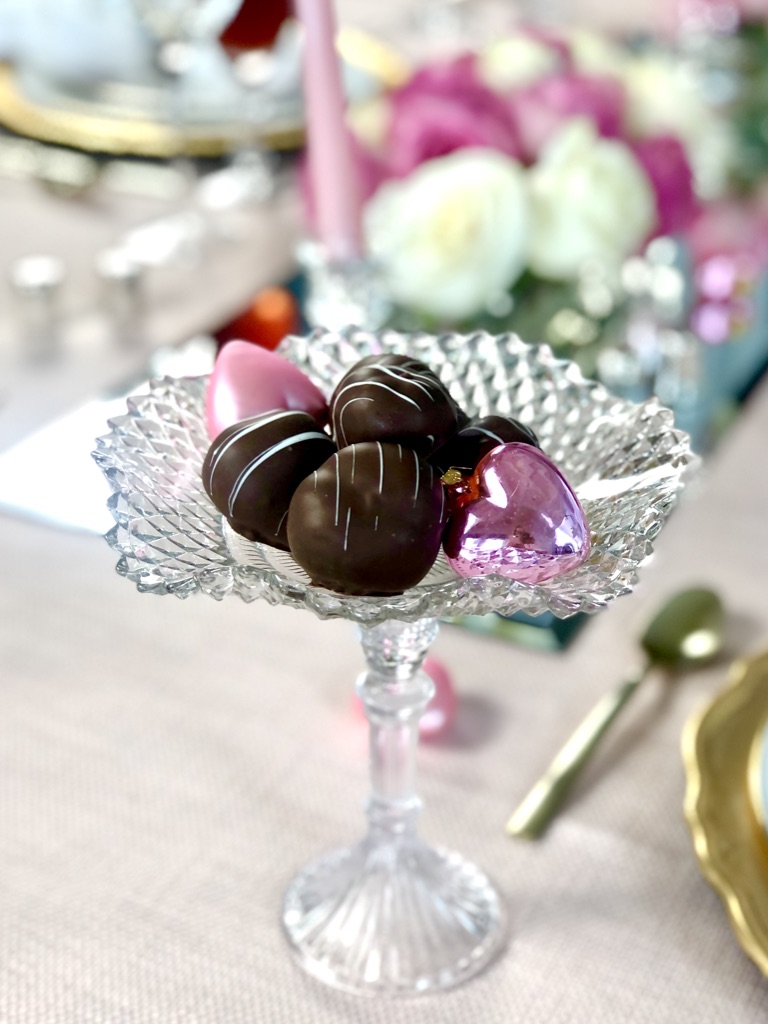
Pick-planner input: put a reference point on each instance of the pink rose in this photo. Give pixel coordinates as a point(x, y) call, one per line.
point(442, 108)
point(738, 228)
point(753, 8)
point(664, 160)
point(728, 242)
point(451, 76)
point(540, 110)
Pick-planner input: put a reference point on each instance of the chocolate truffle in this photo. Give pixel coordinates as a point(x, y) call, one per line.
point(396, 399)
point(253, 467)
point(465, 449)
point(369, 520)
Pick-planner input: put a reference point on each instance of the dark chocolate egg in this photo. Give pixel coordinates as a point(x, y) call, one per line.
point(253, 467)
point(369, 520)
point(396, 399)
point(466, 448)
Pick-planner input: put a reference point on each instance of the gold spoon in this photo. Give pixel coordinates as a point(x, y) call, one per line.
point(686, 631)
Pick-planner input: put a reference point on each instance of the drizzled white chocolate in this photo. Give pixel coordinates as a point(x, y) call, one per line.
point(253, 467)
point(369, 520)
point(392, 398)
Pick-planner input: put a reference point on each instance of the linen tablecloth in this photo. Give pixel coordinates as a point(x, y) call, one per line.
point(167, 766)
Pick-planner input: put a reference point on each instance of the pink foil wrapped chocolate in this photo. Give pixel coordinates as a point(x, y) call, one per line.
point(517, 516)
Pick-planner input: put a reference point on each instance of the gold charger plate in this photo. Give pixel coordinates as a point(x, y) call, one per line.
point(100, 129)
point(730, 843)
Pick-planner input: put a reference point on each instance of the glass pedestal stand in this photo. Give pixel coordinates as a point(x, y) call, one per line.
point(391, 915)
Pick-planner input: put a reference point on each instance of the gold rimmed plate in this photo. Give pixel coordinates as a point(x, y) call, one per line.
point(99, 128)
point(724, 817)
point(125, 125)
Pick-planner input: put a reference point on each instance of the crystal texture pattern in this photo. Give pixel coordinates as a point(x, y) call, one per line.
point(390, 915)
point(625, 462)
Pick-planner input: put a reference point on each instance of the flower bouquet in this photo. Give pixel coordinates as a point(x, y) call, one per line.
point(729, 40)
point(505, 188)
point(570, 188)
point(725, 44)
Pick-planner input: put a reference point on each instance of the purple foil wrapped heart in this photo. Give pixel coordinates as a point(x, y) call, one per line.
point(521, 519)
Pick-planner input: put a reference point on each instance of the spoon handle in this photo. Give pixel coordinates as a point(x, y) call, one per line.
point(543, 801)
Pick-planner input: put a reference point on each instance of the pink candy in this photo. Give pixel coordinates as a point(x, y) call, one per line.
point(440, 713)
point(441, 710)
point(519, 518)
point(248, 380)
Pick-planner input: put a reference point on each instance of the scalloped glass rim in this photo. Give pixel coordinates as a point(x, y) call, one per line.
point(626, 462)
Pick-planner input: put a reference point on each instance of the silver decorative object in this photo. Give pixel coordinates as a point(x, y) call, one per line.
point(342, 292)
point(36, 282)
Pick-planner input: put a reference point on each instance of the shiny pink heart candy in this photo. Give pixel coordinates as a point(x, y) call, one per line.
point(520, 519)
point(440, 713)
point(248, 380)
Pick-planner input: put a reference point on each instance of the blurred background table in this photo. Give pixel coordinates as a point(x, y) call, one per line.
point(167, 766)
point(178, 302)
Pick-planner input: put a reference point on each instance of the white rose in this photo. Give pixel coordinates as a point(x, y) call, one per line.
point(665, 96)
point(591, 200)
point(453, 235)
point(596, 54)
point(515, 61)
point(662, 95)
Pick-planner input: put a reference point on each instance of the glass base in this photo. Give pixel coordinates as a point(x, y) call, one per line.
point(393, 919)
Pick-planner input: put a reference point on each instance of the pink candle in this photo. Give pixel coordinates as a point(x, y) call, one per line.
point(332, 169)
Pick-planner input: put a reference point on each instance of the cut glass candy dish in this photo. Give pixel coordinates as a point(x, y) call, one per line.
point(391, 915)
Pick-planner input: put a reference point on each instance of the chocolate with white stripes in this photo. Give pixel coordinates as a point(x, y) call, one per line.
point(393, 398)
point(253, 467)
point(466, 448)
point(369, 521)
point(370, 517)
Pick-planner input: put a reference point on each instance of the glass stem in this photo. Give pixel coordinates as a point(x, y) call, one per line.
point(394, 692)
